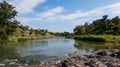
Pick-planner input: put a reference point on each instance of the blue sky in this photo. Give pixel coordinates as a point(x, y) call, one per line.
point(63, 15)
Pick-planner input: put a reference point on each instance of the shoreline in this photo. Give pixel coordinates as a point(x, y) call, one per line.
point(99, 38)
point(14, 39)
point(100, 58)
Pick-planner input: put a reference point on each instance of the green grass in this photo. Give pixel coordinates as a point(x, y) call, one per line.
point(99, 38)
point(16, 39)
point(91, 38)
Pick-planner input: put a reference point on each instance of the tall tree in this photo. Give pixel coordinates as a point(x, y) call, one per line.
point(8, 24)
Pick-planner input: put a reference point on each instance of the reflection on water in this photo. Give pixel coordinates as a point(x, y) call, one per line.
point(4, 50)
point(45, 48)
point(86, 45)
point(7, 51)
point(51, 48)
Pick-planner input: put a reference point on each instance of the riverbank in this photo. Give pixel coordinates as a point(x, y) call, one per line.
point(101, 58)
point(99, 38)
point(16, 39)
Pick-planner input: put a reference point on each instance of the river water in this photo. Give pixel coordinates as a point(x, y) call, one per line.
point(52, 48)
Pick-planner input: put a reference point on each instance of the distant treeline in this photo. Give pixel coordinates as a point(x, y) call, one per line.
point(10, 27)
point(99, 27)
point(64, 34)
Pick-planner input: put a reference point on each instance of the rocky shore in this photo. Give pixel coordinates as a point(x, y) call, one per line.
point(100, 58)
point(12, 63)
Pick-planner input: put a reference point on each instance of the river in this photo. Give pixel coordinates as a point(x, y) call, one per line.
point(52, 48)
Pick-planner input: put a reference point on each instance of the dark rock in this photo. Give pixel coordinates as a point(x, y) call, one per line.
point(118, 54)
point(65, 64)
point(102, 53)
point(101, 58)
point(109, 64)
point(89, 64)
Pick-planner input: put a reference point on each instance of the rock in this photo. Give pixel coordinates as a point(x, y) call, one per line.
point(11, 63)
point(101, 65)
point(1, 64)
point(57, 62)
point(89, 64)
point(20, 66)
point(65, 63)
point(14, 60)
point(73, 54)
point(101, 53)
point(41, 64)
point(101, 58)
point(6, 61)
point(109, 65)
point(78, 65)
point(26, 64)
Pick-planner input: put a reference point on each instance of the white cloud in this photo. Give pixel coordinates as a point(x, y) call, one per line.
point(27, 20)
point(26, 6)
point(52, 12)
point(71, 16)
point(80, 17)
point(110, 10)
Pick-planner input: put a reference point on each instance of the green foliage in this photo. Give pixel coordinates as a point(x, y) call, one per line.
point(64, 34)
point(11, 29)
point(100, 26)
point(8, 24)
point(91, 38)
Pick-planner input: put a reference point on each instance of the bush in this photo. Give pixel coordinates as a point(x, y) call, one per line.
point(91, 38)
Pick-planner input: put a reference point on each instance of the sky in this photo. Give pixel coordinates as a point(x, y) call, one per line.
point(63, 15)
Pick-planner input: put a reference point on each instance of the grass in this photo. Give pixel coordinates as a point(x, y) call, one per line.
point(99, 38)
point(91, 38)
point(16, 39)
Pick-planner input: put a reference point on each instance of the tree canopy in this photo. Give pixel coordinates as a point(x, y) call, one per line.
point(100, 26)
point(8, 24)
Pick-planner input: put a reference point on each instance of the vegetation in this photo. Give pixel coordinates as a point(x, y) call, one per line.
point(87, 45)
point(11, 29)
point(92, 38)
point(64, 34)
point(8, 24)
point(100, 26)
point(104, 30)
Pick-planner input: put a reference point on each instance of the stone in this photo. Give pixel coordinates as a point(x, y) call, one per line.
point(109, 65)
point(11, 63)
point(101, 58)
point(65, 63)
point(26, 64)
point(20, 66)
point(1, 64)
point(14, 60)
point(102, 53)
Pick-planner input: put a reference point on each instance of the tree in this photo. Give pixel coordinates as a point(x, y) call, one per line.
point(8, 24)
point(116, 25)
point(100, 26)
point(79, 30)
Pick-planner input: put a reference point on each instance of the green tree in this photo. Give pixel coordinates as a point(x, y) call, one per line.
point(79, 30)
point(8, 24)
point(100, 26)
